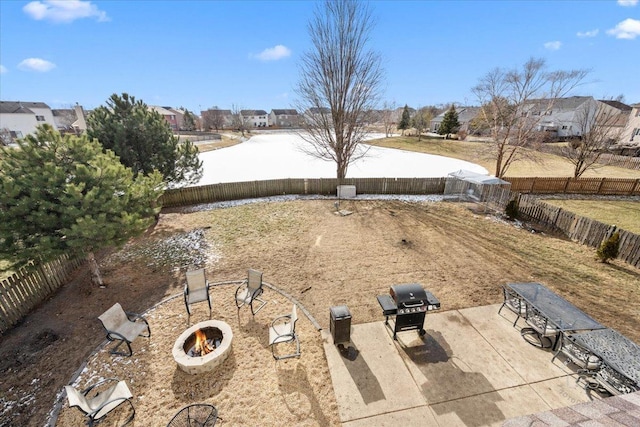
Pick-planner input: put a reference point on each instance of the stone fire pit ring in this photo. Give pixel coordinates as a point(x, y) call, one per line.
point(210, 361)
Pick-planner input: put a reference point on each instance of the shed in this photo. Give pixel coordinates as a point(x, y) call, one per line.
point(466, 186)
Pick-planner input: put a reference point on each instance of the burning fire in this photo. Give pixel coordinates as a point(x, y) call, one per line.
point(203, 345)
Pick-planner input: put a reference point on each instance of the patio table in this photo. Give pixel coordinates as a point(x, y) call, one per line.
point(617, 352)
point(548, 311)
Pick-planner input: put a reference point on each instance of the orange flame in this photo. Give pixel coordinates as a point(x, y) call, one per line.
point(202, 345)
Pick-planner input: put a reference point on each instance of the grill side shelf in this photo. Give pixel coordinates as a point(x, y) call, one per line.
point(389, 307)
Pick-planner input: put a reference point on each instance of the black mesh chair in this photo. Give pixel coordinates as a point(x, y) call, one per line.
point(196, 415)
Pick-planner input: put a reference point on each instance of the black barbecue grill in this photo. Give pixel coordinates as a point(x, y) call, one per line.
point(409, 303)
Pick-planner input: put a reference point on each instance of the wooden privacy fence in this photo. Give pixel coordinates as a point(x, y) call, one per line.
point(578, 228)
point(602, 186)
point(608, 159)
point(27, 288)
point(327, 186)
point(278, 187)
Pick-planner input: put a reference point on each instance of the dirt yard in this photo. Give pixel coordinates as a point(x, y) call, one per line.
point(321, 259)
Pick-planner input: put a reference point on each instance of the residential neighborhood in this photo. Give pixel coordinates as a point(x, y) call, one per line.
point(559, 119)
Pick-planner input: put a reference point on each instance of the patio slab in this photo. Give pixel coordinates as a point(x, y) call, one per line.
point(371, 379)
point(472, 368)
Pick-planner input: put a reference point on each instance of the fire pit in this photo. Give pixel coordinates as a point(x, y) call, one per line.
point(203, 347)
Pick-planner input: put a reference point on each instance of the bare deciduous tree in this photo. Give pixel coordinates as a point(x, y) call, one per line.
point(340, 81)
point(237, 121)
point(213, 118)
point(421, 120)
point(514, 103)
point(599, 125)
point(388, 117)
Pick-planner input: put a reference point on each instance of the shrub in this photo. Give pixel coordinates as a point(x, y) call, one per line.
point(511, 210)
point(609, 248)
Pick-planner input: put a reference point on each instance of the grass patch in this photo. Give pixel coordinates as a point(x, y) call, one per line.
point(624, 214)
point(539, 164)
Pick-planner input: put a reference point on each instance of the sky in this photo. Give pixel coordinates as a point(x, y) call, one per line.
point(246, 54)
point(277, 156)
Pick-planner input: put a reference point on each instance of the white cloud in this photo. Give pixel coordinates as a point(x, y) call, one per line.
point(64, 11)
point(36, 64)
point(553, 45)
point(274, 53)
point(591, 33)
point(629, 3)
point(3, 69)
point(627, 29)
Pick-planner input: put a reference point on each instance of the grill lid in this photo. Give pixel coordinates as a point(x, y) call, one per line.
point(408, 293)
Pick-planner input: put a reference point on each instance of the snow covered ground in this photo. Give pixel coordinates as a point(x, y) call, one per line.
point(277, 155)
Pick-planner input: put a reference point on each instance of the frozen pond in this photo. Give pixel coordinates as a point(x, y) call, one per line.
point(276, 156)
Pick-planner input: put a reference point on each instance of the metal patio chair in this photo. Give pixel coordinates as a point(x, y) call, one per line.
point(540, 329)
point(250, 291)
point(283, 330)
point(513, 302)
point(124, 327)
point(196, 289)
point(196, 415)
point(97, 407)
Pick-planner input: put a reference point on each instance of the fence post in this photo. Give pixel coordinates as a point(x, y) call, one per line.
point(634, 186)
point(600, 186)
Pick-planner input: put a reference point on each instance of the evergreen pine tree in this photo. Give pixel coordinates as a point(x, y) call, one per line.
point(64, 195)
point(405, 120)
point(449, 123)
point(143, 140)
point(188, 121)
point(609, 248)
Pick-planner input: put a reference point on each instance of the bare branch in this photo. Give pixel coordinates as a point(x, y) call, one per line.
point(513, 104)
point(599, 125)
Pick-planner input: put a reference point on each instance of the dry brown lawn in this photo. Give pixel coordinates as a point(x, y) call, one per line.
point(320, 258)
point(536, 164)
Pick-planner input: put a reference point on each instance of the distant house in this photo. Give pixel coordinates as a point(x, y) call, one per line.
point(631, 134)
point(19, 118)
point(559, 117)
point(255, 118)
point(70, 119)
point(168, 115)
point(465, 116)
point(316, 115)
point(573, 116)
point(284, 118)
point(217, 119)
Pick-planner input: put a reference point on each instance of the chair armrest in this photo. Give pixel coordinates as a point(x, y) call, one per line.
point(135, 316)
point(281, 319)
point(101, 382)
point(257, 293)
point(241, 287)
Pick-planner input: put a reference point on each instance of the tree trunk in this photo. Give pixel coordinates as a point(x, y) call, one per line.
point(96, 278)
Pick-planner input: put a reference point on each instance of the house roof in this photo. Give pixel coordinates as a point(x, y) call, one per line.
point(58, 112)
point(161, 110)
point(20, 107)
point(316, 110)
point(290, 112)
point(617, 104)
point(465, 114)
point(569, 103)
point(253, 112)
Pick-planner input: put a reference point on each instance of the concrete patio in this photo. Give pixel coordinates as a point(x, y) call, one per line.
point(471, 368)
